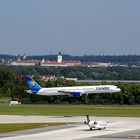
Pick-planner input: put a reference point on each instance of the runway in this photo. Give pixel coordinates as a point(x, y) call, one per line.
point(117, 128)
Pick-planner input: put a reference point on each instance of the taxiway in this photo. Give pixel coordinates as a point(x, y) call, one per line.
point(117, 128)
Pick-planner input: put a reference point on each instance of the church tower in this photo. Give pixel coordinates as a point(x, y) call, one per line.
point(59, 58)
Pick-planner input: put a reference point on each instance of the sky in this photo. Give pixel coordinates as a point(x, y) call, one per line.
point(74, 27)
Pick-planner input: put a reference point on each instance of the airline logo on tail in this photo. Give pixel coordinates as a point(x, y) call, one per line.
point(32, 83)
point(34, 87)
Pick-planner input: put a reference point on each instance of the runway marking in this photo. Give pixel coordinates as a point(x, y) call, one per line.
point(76, 131)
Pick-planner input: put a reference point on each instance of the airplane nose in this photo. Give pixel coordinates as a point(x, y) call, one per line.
point(118, 89)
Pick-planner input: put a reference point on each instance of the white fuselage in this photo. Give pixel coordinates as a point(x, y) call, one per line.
point(81, 89)
point(97, 124)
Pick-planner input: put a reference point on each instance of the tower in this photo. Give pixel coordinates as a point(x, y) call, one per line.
point(24, 56)
point(59, 58)
point(43, 60)
point(18, 57)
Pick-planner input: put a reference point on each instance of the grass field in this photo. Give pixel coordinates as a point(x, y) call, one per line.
point(71, 110)
point(4, 100)
point(23, 126)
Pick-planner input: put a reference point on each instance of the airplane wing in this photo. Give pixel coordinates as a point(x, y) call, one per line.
point(72, 92)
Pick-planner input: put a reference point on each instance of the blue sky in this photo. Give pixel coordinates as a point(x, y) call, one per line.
point(75, 27)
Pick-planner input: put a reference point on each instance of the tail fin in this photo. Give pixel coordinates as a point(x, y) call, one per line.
point(34, 87)
point(88, 120)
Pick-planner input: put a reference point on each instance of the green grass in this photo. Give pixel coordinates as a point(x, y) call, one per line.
point(4, 100)
point(71, 110)
point(23, 126)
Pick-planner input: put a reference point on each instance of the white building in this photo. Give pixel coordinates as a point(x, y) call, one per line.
point(59, 58)
point(25, 63)
point(53, 64)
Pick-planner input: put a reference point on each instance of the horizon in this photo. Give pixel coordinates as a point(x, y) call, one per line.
point(67, 55)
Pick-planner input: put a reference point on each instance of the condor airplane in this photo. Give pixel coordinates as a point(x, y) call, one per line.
point(35, 88)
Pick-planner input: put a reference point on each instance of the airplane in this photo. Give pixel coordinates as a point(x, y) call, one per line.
point(95, 124)
point(35, 88)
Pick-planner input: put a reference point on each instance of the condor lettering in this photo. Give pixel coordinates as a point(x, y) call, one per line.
point(102, 88)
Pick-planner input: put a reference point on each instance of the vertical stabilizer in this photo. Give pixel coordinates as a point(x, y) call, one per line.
point(34, 87)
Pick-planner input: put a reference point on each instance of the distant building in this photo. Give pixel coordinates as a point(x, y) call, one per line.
point(24, 56)
point(46, 77)
point(98, 64)
point(71, 79)
point(19, 57)
point(53, 63)
point(43, 62)
point(14, 103)
point(59, 58)
point(8, 63)
point(60, 62)
point(72, 63)
point(25, 63)
point(118, 65)
point(2, 60)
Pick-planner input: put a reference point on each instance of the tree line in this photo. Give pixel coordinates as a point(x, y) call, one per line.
point(82, 73)
point(127, 59)
point(13, 85)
